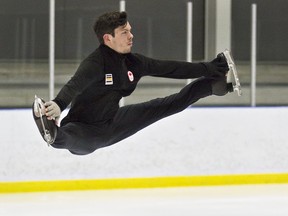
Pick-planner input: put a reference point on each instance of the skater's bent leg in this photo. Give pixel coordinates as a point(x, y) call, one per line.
point(79, 139)
point(132, 118)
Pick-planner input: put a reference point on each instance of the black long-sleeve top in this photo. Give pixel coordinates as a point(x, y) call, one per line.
point(106, 76)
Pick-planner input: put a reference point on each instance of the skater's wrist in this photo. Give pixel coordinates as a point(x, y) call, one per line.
point(62, 106)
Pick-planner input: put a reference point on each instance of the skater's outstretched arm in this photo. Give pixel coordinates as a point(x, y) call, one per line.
point(183, 70)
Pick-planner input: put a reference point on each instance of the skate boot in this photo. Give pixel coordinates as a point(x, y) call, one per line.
point(47, 128)
point(220, 84)
point(235, 83)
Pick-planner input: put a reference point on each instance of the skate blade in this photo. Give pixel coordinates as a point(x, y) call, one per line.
point(39, 112)
point(39, 108)
point(232, 68)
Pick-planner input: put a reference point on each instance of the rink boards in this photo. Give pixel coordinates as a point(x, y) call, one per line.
point(200, 146)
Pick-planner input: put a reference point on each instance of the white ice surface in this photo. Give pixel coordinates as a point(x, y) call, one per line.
point(253, 200)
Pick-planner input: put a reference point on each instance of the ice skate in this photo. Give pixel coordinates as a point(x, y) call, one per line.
point(232, 72)
point(47, 128)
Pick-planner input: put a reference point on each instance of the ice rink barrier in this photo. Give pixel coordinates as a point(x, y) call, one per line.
point(195, 142)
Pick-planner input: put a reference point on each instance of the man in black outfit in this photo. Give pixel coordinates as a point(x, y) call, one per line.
point(111, 72)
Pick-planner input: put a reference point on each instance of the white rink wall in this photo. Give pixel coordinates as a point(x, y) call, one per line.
point(197, 141)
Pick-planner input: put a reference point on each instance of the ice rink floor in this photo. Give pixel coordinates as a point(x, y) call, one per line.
point(252, 200)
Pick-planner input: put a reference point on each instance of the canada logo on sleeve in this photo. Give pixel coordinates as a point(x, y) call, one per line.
point(130, 76)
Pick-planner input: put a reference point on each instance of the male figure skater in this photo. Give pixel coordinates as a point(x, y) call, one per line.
point(111, 72)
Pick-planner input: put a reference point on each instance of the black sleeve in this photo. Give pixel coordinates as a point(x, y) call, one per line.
point(87, 72)
point(173, 69)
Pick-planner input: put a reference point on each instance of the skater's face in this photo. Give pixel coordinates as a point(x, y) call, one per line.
point(121, 42)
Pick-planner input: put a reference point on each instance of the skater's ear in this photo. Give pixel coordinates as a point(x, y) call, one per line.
point(107, 38)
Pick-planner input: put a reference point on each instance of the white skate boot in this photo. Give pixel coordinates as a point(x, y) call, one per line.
point(232, 72)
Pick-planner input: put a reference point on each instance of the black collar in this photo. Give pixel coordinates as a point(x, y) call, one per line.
point(112, 52)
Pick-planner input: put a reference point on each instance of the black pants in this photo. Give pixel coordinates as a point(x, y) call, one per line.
point(83, 139)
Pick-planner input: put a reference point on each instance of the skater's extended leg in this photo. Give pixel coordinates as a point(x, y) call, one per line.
point(133, 118)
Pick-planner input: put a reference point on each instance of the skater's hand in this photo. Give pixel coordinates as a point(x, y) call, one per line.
point(53, 111)
point(218, 67)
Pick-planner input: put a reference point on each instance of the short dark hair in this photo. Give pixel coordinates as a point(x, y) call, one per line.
point(108, 22)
